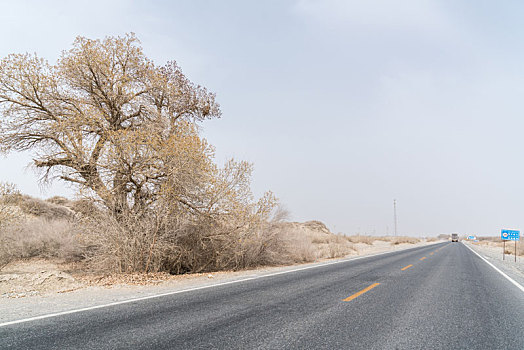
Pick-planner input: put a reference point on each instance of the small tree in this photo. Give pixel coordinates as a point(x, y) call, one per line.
point(106, 118)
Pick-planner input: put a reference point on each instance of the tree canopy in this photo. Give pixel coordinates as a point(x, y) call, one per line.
point(109, 120)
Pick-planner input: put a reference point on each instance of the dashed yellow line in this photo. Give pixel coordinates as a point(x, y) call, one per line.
point(361, 292)
point(367, 289)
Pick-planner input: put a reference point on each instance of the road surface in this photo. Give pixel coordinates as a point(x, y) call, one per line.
point(441, 296)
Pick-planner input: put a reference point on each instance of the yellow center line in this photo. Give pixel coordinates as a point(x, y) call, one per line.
point(406, 267)
point(422, 258)
point(361, 292)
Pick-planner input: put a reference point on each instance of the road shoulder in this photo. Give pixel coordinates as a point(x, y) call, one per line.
point(515, 270)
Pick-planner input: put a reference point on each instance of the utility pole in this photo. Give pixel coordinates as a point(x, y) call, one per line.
point(395, 214)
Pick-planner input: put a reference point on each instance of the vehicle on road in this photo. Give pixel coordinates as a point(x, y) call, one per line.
point(454, 237)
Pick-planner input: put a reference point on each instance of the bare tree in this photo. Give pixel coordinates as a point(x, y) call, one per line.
point(106, 118)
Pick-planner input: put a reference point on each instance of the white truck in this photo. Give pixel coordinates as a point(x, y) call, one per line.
point(454, 237)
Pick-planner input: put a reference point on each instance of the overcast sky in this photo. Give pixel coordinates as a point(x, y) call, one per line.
point(342, 106)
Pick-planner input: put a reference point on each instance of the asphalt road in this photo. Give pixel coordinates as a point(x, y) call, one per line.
point(449, 300)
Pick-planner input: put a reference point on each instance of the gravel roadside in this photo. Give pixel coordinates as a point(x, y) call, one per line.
point(513, 269)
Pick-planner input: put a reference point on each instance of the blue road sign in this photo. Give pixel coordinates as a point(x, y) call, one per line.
point(471, 238)
point(510, 235)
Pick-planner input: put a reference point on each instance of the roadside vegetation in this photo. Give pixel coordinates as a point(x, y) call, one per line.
point(394, 240)
point(125, 133)
point(81, 235)
point(495, 241)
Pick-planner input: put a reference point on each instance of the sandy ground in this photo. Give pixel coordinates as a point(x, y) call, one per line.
point(493, 253)
point(33, 288)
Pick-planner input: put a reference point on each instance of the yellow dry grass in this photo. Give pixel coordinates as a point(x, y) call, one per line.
point(497, 242)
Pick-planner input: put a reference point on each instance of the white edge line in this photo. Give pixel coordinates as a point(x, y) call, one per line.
point(493, 266)
point(202, 287)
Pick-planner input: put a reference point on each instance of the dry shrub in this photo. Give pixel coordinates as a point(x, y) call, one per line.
point(85, 207)
point(339, 249)
point(400, 239)
point(496, 241)
point(340, 246)
point(362, 239)
point(510, 247)
point(31, 227)
point(45, 209)
point(9, 199)
point(307, 243)
point(320, 238)
point(489, 239)
point(211, 225)
point(298, 245)
point(59, 200)
point(337, 246)
point(179, 245)
point(391, 239)
point(431, 239)
point(228, 230)
point(38, 237)
point(301, 252)
point(165, 239)
point(315, 225)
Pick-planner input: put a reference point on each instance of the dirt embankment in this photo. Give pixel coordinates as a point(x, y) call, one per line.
point(34, 277)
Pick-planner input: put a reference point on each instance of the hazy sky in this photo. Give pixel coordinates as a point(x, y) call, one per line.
point(341, 105)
